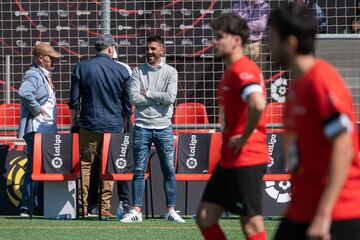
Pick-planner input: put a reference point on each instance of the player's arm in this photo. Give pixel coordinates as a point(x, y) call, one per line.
point(256, 106)
point(339, 132)
point(253, 95)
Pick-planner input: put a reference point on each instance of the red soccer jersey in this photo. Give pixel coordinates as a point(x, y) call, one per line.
point(238, 82)
point(319, 107)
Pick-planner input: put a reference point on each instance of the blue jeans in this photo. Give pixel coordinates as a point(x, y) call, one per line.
point(163, 140)
point(25, 187)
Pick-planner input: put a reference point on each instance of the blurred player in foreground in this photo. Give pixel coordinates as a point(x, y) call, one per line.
point(236, 184)
point(320, 135)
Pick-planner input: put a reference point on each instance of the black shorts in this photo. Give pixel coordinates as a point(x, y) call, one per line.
point(238, 190)
point(340, 230)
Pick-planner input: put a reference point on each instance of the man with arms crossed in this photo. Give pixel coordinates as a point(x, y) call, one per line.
point(153, 92)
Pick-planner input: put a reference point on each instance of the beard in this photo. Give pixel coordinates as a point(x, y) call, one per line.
point(152, 58)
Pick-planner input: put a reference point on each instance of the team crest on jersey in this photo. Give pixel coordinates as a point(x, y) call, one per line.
point(246, 76)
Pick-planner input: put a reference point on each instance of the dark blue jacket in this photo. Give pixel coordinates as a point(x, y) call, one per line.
point(100, 89)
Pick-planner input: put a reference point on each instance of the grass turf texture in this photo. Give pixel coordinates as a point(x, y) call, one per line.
point(13, 227)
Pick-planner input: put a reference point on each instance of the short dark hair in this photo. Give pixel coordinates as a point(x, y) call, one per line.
point(297, 20)
point(233, 24)
point(99, 48)
point(155, 38)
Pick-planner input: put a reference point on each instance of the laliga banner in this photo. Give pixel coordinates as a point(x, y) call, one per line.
point(276, 197)
point(12, 167)
point(57, 153)
point(120, 154)
point(193, 152)
point(276, 193)
point(276, 164)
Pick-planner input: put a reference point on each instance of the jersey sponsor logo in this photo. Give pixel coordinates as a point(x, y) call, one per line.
point(225, 88)
point(246, 76)
point(279, 191)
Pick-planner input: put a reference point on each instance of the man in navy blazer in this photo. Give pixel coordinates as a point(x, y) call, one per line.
point(38, 110)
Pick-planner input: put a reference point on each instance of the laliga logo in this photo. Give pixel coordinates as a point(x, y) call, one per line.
point(278, 191)
point(278, 89)
point(120, 163)
point(192, 162)
point(271, 163)
point(57, 162)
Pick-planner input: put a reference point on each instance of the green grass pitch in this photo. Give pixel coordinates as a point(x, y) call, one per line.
point(13, 227)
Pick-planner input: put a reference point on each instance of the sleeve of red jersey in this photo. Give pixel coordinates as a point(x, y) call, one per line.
point(250, 82)
point(289, 122)
point(332, 110)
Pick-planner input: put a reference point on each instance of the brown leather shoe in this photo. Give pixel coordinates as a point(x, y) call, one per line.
point(106, 213)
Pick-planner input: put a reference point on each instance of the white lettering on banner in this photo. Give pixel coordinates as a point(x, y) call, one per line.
point(57, 162)
point(271, 145)
point(191, 162)
point(57, 145)
point(192, 146)
point(124, 146)
point(121, 161)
